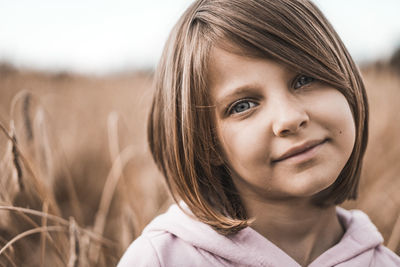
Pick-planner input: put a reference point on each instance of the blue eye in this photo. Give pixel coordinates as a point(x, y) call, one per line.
point(302, 80)
point(242, 106)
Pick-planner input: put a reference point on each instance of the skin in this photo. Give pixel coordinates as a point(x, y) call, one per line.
point(263, 109)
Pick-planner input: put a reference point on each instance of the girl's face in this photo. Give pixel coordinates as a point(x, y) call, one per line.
point(283, 134)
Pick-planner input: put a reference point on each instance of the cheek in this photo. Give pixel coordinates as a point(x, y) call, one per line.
point(339, 120)
point(345, 122)
point(240, 142)
point(347, 133)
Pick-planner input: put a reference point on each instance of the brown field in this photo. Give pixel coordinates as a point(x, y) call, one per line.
point(77, 181)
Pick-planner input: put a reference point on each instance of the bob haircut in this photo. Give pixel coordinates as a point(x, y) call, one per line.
point(181, 131)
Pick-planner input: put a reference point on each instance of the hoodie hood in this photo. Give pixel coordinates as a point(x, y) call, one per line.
point(358, 243)
point(248, 248)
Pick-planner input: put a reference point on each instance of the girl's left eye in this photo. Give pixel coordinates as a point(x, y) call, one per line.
point(241, 106)
point(302, 80)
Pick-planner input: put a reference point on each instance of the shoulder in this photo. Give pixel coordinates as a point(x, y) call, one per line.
point(175, 239)
point(140, 253)
point(385, 257)
point(162, 248)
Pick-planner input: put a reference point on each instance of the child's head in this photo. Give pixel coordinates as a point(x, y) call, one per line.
point(182, 128)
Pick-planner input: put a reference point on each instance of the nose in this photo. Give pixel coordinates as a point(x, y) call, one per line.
point(289, 118)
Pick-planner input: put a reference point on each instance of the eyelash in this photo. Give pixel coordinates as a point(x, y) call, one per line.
point(303, 79)
point(299, 78)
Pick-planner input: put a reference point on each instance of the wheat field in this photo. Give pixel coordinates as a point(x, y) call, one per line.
point(77, 180)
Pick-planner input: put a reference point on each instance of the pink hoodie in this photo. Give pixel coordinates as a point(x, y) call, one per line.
point(175, 239)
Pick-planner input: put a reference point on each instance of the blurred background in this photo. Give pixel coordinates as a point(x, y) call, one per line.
point(109, 36)
point(75, 89)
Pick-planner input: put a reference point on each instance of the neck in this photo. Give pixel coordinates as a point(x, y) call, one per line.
point(299, 228)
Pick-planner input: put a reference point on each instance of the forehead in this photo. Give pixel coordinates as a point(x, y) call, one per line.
point(230, 65)
point(228, 48)
point(231, 75)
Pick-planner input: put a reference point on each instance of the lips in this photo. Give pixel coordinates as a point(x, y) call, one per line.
point(299, 149)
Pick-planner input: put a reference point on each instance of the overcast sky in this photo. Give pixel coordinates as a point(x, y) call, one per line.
point(98, 36)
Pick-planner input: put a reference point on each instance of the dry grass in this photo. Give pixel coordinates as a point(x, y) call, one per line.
point(379, 187)
point(73, 151)
point(78, 184)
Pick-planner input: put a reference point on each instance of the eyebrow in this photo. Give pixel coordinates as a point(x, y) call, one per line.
point(232, 93)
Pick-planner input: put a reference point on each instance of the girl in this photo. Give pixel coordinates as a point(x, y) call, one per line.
point(259, 124)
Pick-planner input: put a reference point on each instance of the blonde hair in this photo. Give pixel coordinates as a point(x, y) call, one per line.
point(181, 130)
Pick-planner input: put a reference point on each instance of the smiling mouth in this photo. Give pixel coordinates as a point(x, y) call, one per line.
point(302, 153)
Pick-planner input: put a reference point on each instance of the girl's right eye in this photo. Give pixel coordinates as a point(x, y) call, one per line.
point(241, 106)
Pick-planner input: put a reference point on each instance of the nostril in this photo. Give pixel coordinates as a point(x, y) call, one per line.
point(288, 131)
point(290, 121)
point(285, 132)
point(303, 123)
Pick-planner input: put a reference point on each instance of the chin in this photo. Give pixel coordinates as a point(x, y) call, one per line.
point(311, 187)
